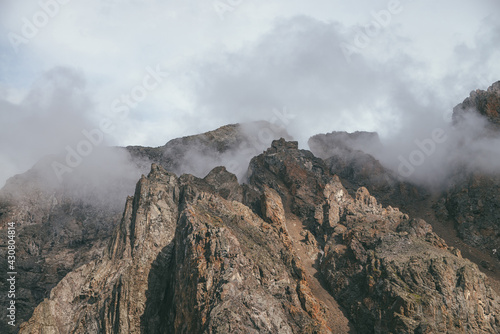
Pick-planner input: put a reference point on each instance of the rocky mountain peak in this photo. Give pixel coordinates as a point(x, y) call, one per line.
point(486, 103)
point(306, 245)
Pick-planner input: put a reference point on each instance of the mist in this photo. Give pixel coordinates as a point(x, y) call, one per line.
point(299, 65)
point(282, 63)
point(50, 116)
point(39, 133)
point(469, 146)
point(232, 146)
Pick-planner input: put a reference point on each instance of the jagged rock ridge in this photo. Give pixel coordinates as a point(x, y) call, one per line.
point(208, 255)
point(62, 226)
point(286, 190)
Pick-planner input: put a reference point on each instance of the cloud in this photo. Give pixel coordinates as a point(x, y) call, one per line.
point(50, 122)
point(51, 116)
point(261, 57)
point(298, 65)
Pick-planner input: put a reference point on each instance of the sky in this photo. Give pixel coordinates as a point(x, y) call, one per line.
point(145, 72)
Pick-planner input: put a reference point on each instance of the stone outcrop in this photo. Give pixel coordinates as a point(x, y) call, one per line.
point(486, 103)
point(62, 226)
point(389, 272)
point(293, 250)
point(474, 205)
point(56, 232)
point(350, 156)
point(185, 260)
point(473, 199)
point(231, 145)
point(394, 275)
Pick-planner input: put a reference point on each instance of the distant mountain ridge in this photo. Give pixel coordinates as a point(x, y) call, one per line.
point(303, 231)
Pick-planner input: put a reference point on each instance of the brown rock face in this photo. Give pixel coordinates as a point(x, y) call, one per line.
point(105, 295)
point(473, 202)
point(185, 260)
point(486, 103)
point(349, 156)
point(56, 233)
point(231, 145)
point(389, 272)
point(62, 226)
point(474, 205)
point(292, 251)
point(395, 275)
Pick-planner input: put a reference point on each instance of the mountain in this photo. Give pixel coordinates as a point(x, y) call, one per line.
point(191, 256)
point(62, 226)
point(237, 230)
point(473, 202)
point(486, 103)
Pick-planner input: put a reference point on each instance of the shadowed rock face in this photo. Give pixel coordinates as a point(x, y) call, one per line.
point(394, 275)
point(210, 256)
point(473, 202)
point(56, 233)
point(62, 226)
point(184, 260)
point(326, 145)
point(302, 247)
point(474, 205)
point(348, 155)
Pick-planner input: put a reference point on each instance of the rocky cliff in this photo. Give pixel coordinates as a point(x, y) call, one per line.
point(290, 252)
point(185, 260)
point(284, 241)
point(350, 156)
point(468, 204)
point(485, 103)
point(473, 202)
point(62, 226)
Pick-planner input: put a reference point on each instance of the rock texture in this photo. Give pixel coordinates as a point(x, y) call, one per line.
point(350, 156)
point(185, 260)
point(486, 103)
point(395, 275)
point(62, 226)
point(473, 201)
point(474, 205)
point(302, 246)
point(57, 232)
point(231, 145)
point(290, 252)
point(468, 205)
point(391, 274)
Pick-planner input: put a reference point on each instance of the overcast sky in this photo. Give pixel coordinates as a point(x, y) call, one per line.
point(396, 67)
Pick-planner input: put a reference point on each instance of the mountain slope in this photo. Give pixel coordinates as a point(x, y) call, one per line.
point(186, 260)
point(62, 226)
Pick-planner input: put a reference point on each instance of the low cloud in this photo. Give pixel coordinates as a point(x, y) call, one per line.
point(297, 64)
point(50, 122)
point(51, 116)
